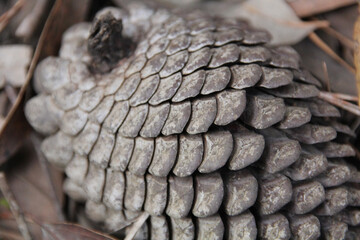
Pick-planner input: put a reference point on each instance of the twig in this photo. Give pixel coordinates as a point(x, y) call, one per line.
point(30, 22)
point(341, 37)
point(306, 8)
point(321, 44)
point(329, 97)
point(14, 207)
point(326, 76)
point(345, 97)
point(45, 167)
point(136, 226)
point(6, 17)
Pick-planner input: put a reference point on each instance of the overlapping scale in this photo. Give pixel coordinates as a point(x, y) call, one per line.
point(275, 191)
point(201, 40)
point(197, 59)
point(305, 227)
point(167, 88)
point(190, 86)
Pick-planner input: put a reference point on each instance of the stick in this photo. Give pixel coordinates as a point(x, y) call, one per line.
point(14, 207)
point(306, 8)
point(6, 17)
point(345, 97)
point(321, 44)
point(340, 103)
point(136, 226)
point(339, 36)
point(326, 76)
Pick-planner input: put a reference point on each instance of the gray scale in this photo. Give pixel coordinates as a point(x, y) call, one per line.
point(145, 91)
point(128, 87)
point(165, 154)
point(201, 40)
point(228, 36)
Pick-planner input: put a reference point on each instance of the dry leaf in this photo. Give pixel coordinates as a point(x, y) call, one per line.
point(10, 230)
point(13, 132)
point(31, 187)
point(32, 190)
point(276, 16)
point(65, 231)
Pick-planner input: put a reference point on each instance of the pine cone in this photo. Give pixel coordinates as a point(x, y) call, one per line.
point(199, 124)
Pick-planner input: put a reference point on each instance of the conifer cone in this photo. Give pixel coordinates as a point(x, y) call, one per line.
point(196, 121)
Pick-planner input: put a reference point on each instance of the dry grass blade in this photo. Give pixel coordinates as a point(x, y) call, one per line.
point(306, 8)
point(15, 209)
point(326, 76)
point(339, 36)
point(5, 18)
point(331, 98)
point(321, 44)
point(136, 226)
point(346, 97)
point(357, 53)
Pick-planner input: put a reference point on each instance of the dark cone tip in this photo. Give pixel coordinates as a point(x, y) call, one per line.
point(106, 44)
